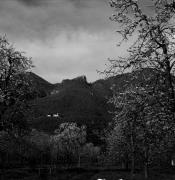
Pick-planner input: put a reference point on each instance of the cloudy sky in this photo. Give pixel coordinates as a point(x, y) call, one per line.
point(65, 38)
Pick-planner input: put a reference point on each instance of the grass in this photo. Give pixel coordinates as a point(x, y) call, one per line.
point(126, 176)
point(114, 176)
point(92, 175)
point(109, 175)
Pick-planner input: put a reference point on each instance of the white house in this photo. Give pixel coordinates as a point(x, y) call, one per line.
point(56, 115)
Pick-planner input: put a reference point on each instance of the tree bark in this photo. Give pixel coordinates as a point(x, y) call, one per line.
point(146, 170)
point(170, 86)
point(126, 162)
point(79, 161)
point(2, 167)
point(146, 163)
point(132, 157)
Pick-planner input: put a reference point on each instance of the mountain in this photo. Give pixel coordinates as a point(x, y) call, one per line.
point(41, 86)
point(76, 100)
point(72, 100)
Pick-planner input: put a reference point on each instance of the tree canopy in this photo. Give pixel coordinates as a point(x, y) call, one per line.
point(15, 87)
point(154, 34)
point(144, 113)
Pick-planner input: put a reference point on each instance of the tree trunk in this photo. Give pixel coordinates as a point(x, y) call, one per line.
point(132, 157)
point(79, 161)
point(146, 170)
point(7, 158)
point(132, 166)
point(170, 86)
point(146, 163)
point(126, 162)
point(2, 168)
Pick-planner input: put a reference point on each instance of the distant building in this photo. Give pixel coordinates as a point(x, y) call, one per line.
point(55, 91)
point(53, 115)
point(56, 115)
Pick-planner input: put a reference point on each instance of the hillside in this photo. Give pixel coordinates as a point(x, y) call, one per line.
point(41, 86)
point(74, 101)
point(78, 101)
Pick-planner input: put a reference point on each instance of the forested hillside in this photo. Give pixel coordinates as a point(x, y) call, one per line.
point(78, 101)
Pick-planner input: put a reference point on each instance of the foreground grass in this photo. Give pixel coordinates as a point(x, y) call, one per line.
point(126, 176)
point(91, 175)
point(106, 176)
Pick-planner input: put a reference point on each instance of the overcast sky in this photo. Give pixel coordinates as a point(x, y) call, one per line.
point(65, 38)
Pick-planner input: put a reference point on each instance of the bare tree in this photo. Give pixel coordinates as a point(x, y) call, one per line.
point(154, 32)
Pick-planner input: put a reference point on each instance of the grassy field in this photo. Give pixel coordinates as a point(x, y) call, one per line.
point(113, 176)
point(90, 175)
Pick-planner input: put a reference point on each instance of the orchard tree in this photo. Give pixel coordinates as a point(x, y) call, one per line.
point(118, 147)
point(41, 141)
point(90, 152)
point(69, 140)
point(144, 129)
point(128, 107)
point(15, 88)
point(154, 34)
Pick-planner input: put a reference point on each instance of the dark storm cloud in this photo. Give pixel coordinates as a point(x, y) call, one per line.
point(86, 3)
point(43, 18)
point(78, 3)
point(33, 2)
point(65, 38)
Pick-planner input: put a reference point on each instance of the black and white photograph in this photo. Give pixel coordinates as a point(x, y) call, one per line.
point(87, 89)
